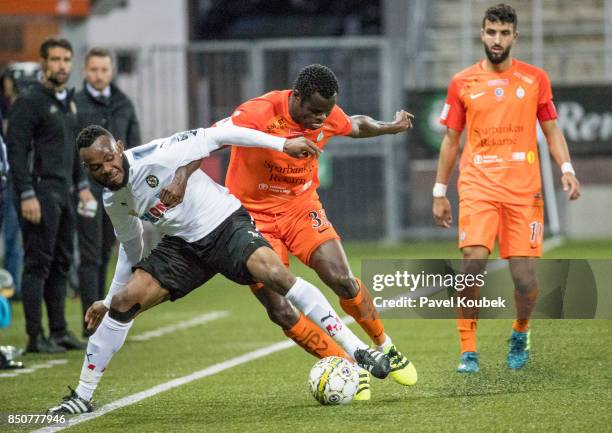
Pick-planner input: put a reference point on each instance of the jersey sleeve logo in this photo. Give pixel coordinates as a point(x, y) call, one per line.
point(182, 136)
point(152, 181)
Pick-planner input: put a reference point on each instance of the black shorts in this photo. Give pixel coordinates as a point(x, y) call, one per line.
point(181, 266)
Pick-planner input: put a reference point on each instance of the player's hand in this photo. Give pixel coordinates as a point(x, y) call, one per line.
point(403, 120)
point(86, 196)
point(442, 213)
point(301, 147)
point(172, 195)
point(88, 205)
point(30, 210)
point(95, 314)
point(570, 185)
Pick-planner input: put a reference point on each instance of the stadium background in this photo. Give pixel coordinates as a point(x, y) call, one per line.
point(188, 63)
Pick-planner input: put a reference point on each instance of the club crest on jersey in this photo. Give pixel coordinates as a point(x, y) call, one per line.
point(152, 181)
point(499, 93)
point(520, 92)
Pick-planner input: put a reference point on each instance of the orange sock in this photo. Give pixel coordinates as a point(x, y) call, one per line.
point(362, 309)
point(525, 303)
point(314, 340)
point(467, 334)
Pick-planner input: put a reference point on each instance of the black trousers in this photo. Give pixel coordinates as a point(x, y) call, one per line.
point(3, 190)
point(48, 249)
point(96, 240)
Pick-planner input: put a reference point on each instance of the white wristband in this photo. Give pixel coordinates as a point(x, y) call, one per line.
point(566, 167)
point(439, 190)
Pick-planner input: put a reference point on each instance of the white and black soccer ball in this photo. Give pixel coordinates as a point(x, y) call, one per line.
point(333, 380)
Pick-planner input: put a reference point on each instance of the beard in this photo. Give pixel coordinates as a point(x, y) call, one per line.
point(496, 59)
point(56, 80)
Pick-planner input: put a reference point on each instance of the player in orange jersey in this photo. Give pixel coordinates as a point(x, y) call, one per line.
point(281, 195)
point(498, 101)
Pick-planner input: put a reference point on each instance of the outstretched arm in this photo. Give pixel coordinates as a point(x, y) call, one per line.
point(300, 147)
point(365, 126)
point(449, 150)
point(560, 153)
point(236, 135)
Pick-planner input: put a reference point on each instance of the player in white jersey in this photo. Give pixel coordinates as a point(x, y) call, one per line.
point(208, 233)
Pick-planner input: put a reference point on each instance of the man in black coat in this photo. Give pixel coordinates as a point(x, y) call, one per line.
point(3, 172)
point(100, 102)
point(46, 168)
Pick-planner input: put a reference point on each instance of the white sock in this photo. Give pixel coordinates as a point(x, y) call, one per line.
point(386, 344)
point(102, 345)
point(313, 304)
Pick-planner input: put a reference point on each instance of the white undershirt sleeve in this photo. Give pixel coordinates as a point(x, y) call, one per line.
point(238, 136)
point(128, 230)
point(130, 253)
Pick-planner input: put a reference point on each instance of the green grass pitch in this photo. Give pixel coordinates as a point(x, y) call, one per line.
point(566, 387)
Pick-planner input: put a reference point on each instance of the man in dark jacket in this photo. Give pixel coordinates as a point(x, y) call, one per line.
point(3, 172)
point(100, 102)
point(45, 164)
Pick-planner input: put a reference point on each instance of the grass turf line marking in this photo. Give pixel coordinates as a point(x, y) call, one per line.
point(198, 320)
point(139, 396)
point(208, 371)
point(33, 368)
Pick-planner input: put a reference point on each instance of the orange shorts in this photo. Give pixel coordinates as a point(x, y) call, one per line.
point(298, 231)
point(519, 228)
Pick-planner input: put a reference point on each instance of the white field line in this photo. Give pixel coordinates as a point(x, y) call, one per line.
point(139, 396)
point(33, 368)
point(208, 371)
point(198, 320)
point(553, 242)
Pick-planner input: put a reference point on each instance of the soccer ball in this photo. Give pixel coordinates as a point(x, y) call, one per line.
point(333, 380)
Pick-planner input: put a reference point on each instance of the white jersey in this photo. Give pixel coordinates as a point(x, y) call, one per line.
point(205, 206)
point(152, 166)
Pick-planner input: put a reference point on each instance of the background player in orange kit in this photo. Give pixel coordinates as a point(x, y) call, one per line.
point(281, 195)
point(499, 99)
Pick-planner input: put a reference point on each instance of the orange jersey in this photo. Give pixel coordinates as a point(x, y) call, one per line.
point(270, 181)
point(500, 159)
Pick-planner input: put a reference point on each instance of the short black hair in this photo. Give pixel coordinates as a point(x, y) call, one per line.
point(316, 78)
point(502, 13)
point(90, 134)
point(54, 42)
